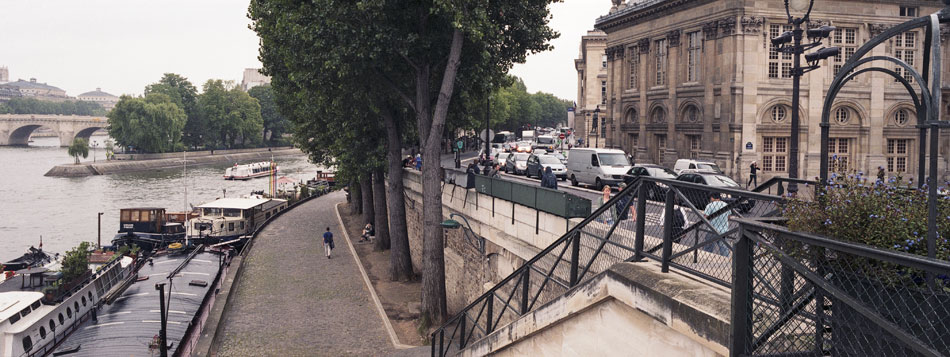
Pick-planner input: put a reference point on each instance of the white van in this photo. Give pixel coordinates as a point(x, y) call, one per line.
point(597, 167)
point(691, 164)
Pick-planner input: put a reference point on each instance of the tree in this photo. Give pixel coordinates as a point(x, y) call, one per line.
point(76, 262)
point(231, 116)
point(184, 94)
point(79, 147)
point(151, 124)
point(275, 124)
point(35, 106)
point(416, 52)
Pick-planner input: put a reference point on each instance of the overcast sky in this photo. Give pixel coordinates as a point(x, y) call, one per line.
point(123, 45)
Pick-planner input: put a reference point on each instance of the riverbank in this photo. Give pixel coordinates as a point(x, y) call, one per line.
point(193, 159)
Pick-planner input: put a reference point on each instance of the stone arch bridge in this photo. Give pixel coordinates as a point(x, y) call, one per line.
point(15, 129)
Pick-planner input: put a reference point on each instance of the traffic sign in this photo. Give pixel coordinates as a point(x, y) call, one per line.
point(561, 136)
point(459, 144)
point(491, 134)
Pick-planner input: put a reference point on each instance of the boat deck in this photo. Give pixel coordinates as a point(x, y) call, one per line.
point(22, 283)
point(128, 326)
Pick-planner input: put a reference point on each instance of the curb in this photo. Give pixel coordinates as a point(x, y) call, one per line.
point(369, 285)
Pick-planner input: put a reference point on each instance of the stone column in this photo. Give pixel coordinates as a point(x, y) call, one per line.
point(642, 151)
point(672, 79)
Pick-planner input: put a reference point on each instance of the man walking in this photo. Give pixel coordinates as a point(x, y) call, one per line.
point(720, 225)
point(753, 179)
point(548, 180)
point(328, 242)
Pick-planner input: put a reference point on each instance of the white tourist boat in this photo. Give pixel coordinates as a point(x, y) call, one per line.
point(232, 218)
point(249, 171)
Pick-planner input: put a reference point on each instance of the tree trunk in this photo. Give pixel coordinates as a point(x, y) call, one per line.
point(366, 187)
point(356, 207)
point(400, 258)
point(379, 201)
point(433, 239)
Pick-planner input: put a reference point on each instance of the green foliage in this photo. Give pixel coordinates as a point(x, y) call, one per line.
point(35, 106)
point(275, 124)
point(150, 124)
point(886, 215)
point(128, 249)
point(184, 94)
point(76, 262)
point(231, 116)
point(79, 147)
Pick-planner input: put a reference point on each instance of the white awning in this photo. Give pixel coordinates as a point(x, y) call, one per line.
point(238, 203)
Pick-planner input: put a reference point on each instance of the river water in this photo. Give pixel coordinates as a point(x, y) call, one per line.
point(63, 210)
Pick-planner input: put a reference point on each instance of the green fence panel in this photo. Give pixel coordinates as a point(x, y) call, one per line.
point(523, 194)
point(552, 201)
point(483, 184)
point(577, 207)
point(501, 189)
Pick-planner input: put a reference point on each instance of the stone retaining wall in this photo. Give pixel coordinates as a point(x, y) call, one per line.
point(114, 167)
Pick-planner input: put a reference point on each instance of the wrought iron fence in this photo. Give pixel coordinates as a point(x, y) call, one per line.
point(685, 225)
point(802, 294)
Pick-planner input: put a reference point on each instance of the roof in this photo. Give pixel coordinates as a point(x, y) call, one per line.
point(12, 302)
point(28, 84)
point(97, 93)
point(237, 202)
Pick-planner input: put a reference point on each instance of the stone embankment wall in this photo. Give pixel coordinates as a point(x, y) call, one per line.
point(174, 161)
point(508, 243)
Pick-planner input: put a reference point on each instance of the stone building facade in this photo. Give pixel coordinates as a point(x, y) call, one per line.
point(4, 75)
point(591, 66)
point(34, 89)
point(107, 100)
point(253, 78)
point(700, 79)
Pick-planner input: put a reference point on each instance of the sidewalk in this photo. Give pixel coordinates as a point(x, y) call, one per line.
point(293, 301)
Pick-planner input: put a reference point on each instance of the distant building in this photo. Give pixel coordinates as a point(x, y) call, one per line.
point(4, 75)
point(105, 99)
point(591, 66)
point(33, 89)
point(253, 78)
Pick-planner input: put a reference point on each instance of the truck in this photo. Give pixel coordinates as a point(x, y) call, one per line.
point(527, 135)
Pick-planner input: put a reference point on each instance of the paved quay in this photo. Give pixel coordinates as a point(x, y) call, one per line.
point(292, 301)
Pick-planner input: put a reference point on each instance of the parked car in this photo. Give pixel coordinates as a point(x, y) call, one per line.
point(597, 167)
point(655, 191)
point(692, 164)
point(516, 163)
point(537, 163)
point(700, 197)
point(500, 158)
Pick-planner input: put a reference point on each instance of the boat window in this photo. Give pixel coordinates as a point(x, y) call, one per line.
point(69, 312)
point(83, 301)
point(52, 325)
point(135, 216)
point(14, 318)
point(42, 332)
point(61, 319)
point(231, 226)
point(232, 212)
point(76, 305)
point(90, 296)
point(27, 343)
point(212, 212)
point(125, 216)
point(35, 305)
point(267, 215)
point(26, 311)
point(242, 225)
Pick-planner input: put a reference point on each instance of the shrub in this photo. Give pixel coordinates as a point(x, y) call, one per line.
point(76, 262)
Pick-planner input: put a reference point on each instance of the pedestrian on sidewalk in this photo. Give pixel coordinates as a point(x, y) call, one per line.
point(880, 174)
point(328, 242)
point(753, 179)
point(367, 233)
point(720, 225)
point(548, 180)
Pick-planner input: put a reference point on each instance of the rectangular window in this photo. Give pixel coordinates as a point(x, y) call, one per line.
point(694, 53)
point(603, 127)
point(839, 154)
point(660, 147)
point(774, 154)
point(694, 145)
point(603, 92)
point(780, 64)
point(603, 61)
point(636, 140)
point(897, 155)
point(905, 48)
point(846, 39)
point(908, 11)
point(634, 63)
point(230, 226)
point(660, 53)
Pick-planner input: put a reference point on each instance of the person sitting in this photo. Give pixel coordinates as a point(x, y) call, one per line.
point(367, 233)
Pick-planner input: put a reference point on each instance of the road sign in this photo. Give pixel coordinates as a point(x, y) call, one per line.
point(459, 144)
point(491, 134)
point(561, 136)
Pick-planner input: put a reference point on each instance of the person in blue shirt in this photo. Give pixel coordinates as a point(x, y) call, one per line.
point(720, 225)
point(328, 242)
point(419, 162)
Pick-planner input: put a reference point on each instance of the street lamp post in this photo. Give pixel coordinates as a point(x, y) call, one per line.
point(796, 49)
point(99, 240)
point(597, 126)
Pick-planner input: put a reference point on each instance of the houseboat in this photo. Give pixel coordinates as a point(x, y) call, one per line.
point(149, 227)
point(232, 218)
point(34, 317)
point(249, 171)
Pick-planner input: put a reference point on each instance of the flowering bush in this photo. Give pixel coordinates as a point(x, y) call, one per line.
point(890, 215)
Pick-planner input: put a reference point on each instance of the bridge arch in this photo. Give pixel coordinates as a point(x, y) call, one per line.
point(21, 135)
point(15, 129)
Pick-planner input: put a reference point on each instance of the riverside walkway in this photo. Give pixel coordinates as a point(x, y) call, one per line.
point(290, 300)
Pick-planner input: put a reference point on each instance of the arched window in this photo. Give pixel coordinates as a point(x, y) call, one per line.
point(691, 114)
point(778, 114)
point(631, 116)
point(842, 116)
point(901, 117)
point(658, 115)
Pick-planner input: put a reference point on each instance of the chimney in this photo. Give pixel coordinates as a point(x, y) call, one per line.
point(32, 80)
point(98, 89)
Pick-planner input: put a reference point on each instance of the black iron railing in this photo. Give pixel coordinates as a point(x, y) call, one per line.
point(803, 294)
point(657, 219)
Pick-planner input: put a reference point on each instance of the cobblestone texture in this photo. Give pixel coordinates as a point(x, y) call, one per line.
point(293, 301)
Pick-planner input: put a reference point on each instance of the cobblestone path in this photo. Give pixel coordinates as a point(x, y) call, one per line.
point(293, 301)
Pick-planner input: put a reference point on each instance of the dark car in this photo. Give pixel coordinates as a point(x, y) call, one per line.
point(537, 163)
point(655, 192)
point(700, 197)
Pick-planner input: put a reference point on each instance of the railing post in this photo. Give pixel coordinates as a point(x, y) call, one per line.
point(742, 296)
point(781, 189)
point(575, 256)
point(462, 330)
point(641, 220)
point(488, 327)
point(524, 290)
point(668, 229)
point(441, 341)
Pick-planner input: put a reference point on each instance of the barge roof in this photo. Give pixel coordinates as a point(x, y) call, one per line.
point(127, 327)
point(237, 203)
